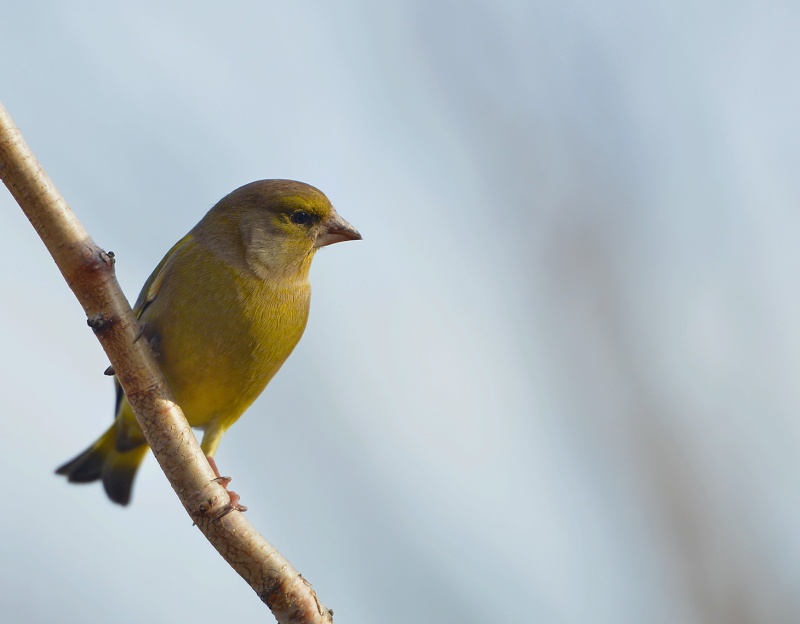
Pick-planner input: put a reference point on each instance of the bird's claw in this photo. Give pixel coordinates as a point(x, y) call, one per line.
point(232, 505)
point(207, 510)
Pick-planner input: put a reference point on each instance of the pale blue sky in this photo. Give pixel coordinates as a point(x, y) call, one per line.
point(556, 382)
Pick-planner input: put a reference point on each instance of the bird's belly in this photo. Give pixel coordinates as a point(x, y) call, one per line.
point(224, 371)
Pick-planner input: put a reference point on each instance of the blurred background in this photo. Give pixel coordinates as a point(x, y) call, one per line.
point(556, 382)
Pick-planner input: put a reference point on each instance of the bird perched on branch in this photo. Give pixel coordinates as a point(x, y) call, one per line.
point(223, 310)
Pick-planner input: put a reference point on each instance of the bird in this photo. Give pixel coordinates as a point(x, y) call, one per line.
point(223, 310)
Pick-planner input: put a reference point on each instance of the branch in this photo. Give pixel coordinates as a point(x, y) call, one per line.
point(89, 272)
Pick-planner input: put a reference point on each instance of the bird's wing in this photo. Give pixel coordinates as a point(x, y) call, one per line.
point(148, 295)
point(156, 279)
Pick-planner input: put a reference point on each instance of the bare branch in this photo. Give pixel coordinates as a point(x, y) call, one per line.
point(89, 271)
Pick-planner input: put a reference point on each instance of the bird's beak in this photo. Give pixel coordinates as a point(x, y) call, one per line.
point(335, 230)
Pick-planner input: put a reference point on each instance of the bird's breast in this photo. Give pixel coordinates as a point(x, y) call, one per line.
point(220, 352)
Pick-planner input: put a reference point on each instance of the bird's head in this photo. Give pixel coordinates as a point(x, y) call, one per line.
point(274, 227)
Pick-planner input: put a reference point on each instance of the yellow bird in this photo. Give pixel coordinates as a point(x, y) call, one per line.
point(223, 310)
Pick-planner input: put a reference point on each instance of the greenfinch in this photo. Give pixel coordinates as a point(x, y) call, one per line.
point(222, 311)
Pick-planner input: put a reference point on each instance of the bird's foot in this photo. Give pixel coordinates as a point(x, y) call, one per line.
point(233, 503)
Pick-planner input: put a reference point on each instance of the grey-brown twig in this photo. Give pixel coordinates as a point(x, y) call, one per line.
point(89, 271)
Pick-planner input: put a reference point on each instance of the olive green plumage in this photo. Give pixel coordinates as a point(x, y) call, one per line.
point(223, 310)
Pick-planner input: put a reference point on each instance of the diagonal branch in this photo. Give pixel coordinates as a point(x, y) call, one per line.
point(89, 272)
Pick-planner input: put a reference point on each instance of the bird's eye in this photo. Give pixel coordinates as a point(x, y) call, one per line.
point(301, 217)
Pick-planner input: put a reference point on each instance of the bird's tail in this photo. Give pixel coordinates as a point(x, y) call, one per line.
point(105, 460)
